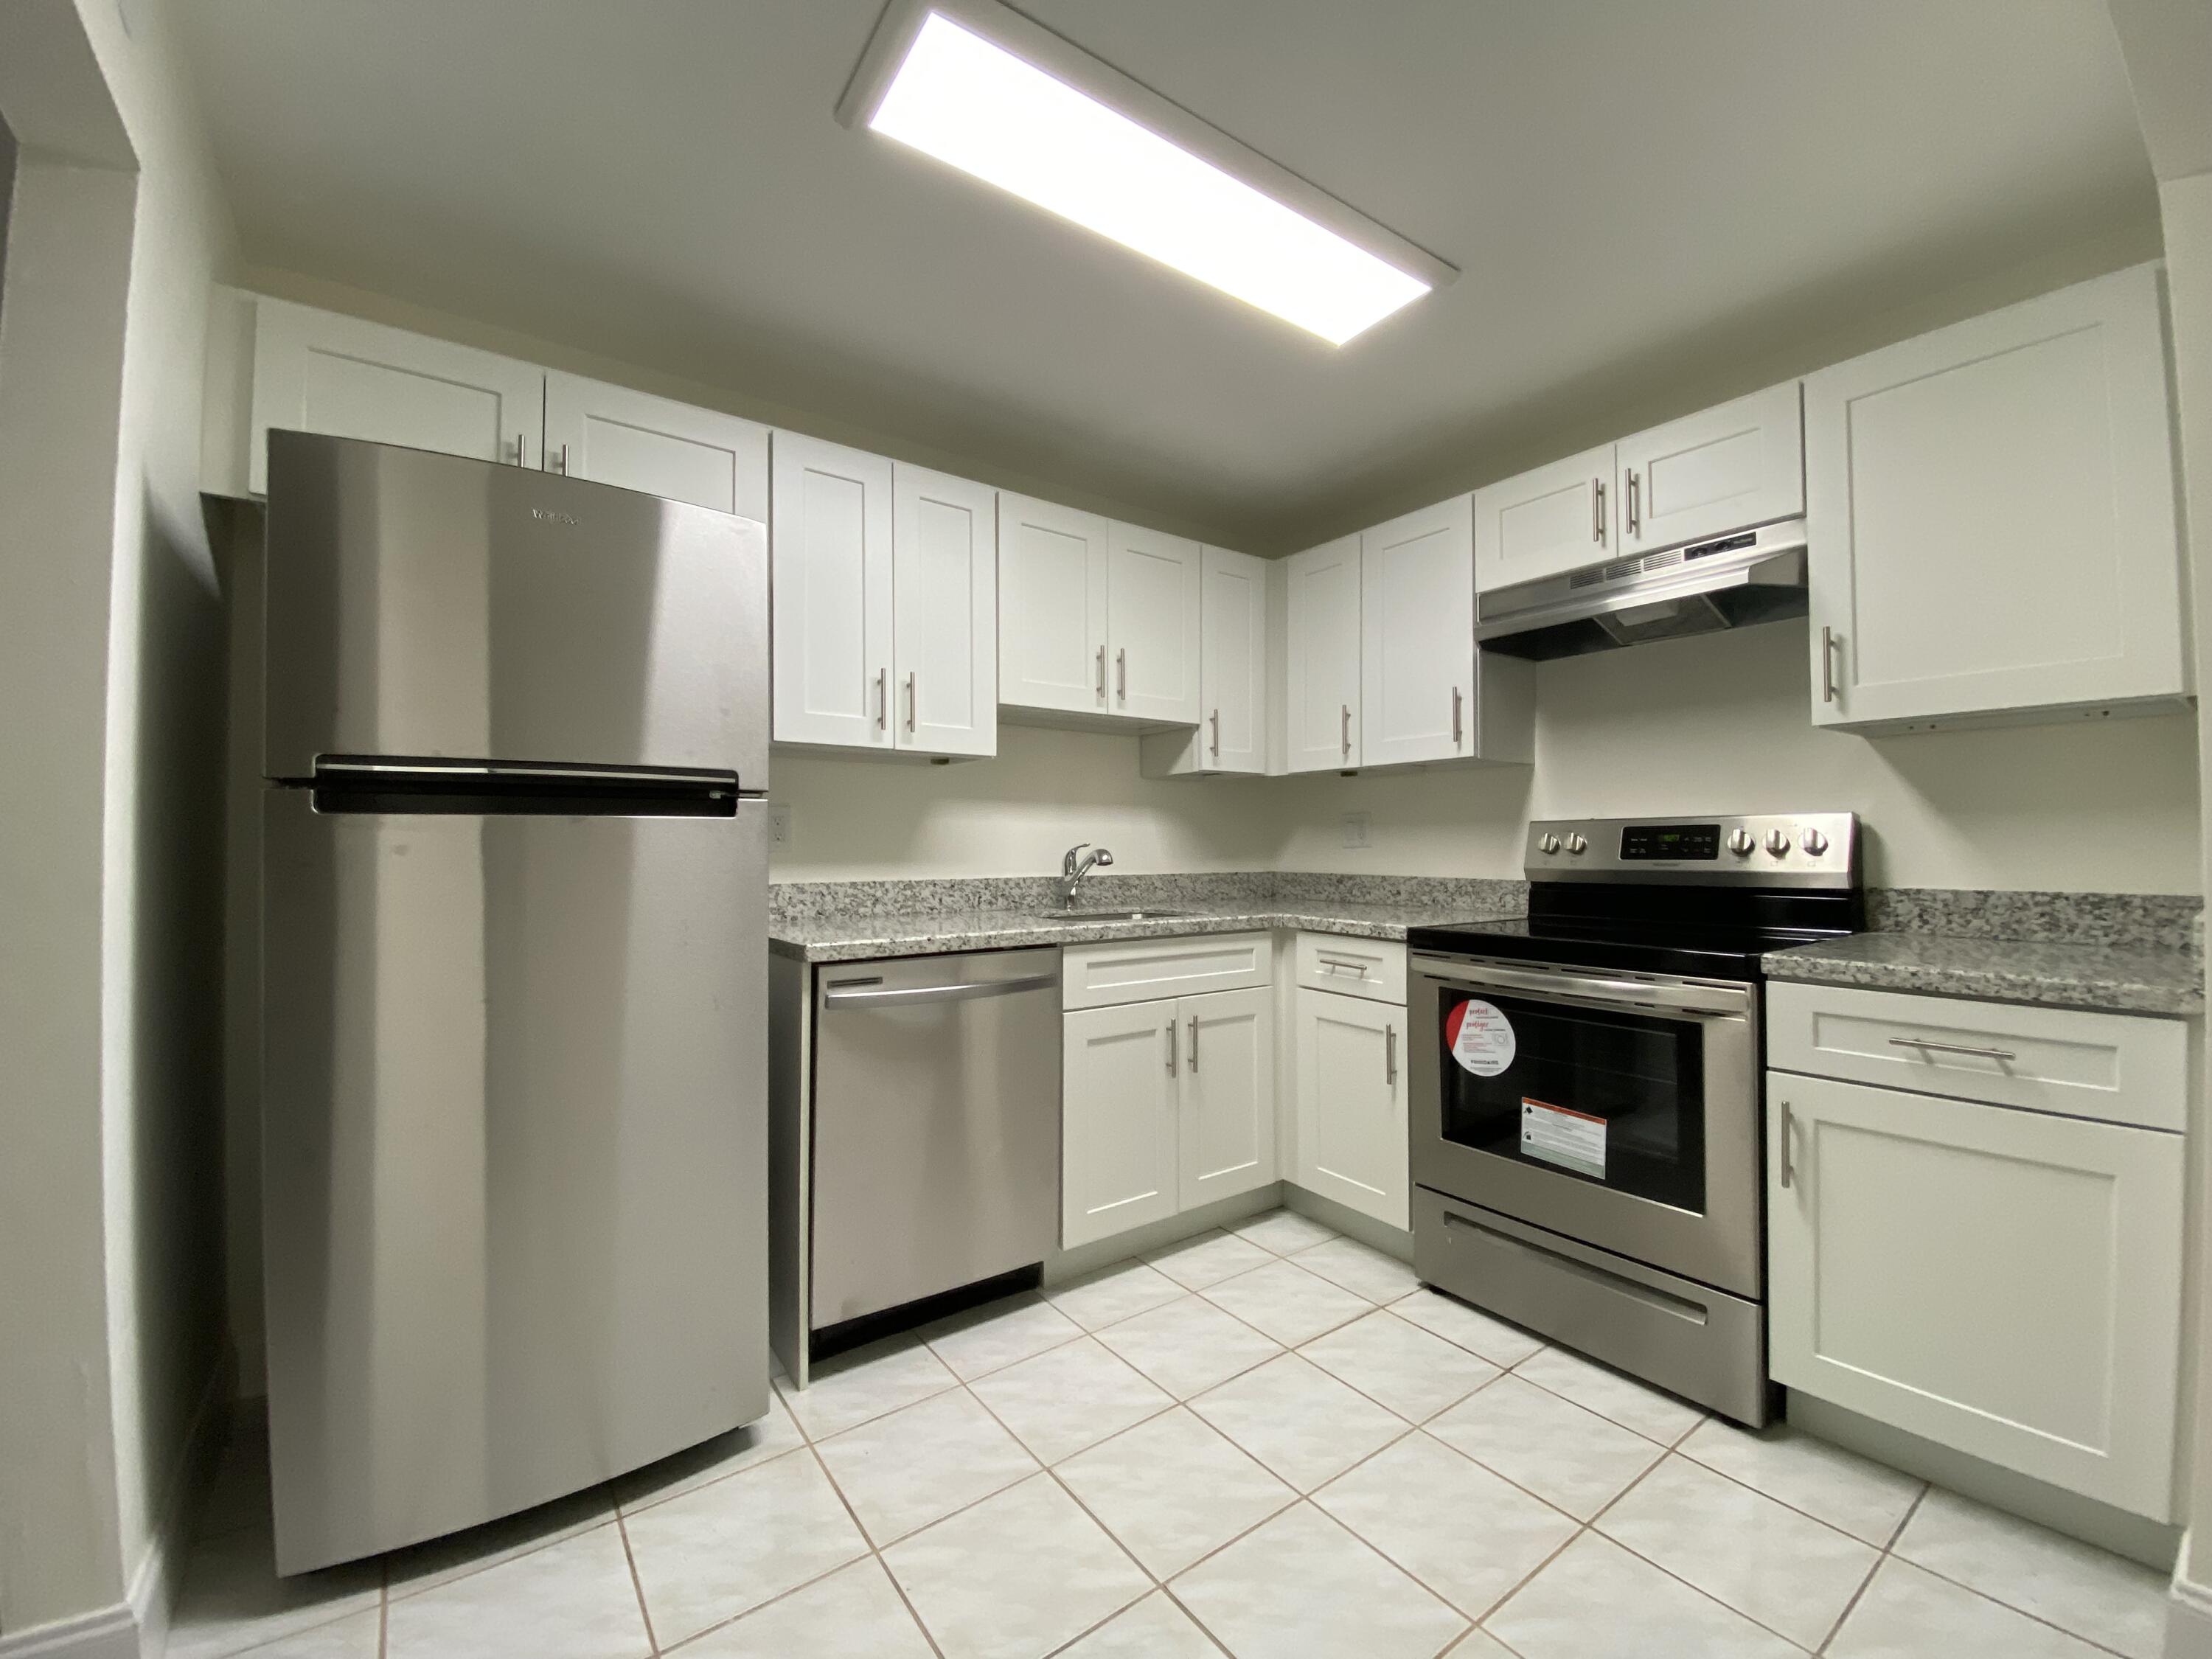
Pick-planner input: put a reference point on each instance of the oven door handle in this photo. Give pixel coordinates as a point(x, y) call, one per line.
point(1677, 996)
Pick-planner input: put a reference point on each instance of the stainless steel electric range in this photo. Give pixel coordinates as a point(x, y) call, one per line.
point(1587, 1123)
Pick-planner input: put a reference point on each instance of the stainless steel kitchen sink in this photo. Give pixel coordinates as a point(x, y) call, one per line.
point(1077, 918)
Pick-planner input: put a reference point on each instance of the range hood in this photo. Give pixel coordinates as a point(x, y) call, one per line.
point(1733, 581)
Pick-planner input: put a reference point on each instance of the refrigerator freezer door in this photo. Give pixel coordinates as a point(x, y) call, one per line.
point(434, 606)
point(513, 1158)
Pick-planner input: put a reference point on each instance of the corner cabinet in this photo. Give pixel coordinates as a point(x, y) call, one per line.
point(1991, 509)
point(884, 581)
point(1167, 1102)
point(2002, 1279)
point(1231, 735)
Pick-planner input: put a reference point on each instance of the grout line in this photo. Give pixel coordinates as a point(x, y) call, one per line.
point(1897, 1532)
point(637, 1585)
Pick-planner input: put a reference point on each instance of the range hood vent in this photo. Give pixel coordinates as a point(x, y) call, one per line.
point(1733, 581)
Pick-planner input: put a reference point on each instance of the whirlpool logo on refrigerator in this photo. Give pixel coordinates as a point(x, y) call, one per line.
point(549, 515)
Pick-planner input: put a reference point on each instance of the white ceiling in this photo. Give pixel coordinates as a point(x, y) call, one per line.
point(1630, 187)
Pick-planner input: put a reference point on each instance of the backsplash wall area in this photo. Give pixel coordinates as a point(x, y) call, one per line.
point(1714, 724)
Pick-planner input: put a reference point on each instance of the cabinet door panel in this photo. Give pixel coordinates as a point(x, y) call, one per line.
point(1235, 654)
point(2004, 1282)
point(1118, 1120)
point(1153, 595)
point(1228, 1127)
point(830, 559)
point(1351, 1140)
point(1723, 469)
point(317, 371)
point(1323, 644)
point(1417, 652)
point(944, 613)
point(1052, 607)
point(1546, 522)
point(665, 448)
point(1992, 517)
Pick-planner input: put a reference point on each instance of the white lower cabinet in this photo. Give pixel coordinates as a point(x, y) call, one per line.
point(1164, 1106)
point(2002, 1281)
point(1350, 1103)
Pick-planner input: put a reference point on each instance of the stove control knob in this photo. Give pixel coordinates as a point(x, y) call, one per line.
point(1576, 844)
point(1740, 843)
point(1813, 842)
point(1777, 842)
point(1548, 843)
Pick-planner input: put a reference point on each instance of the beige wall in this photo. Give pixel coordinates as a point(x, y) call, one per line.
point(1720, 723)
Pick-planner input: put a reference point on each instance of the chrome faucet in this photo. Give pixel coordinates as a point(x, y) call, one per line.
point(1071, 871)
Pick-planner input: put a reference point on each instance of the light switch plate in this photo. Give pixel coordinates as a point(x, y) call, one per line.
point(779, 825)
point(1356, 826)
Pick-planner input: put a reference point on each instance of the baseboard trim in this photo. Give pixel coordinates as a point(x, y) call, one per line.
point(110, 1633)
point(2188, 1610)
point(153, 1595)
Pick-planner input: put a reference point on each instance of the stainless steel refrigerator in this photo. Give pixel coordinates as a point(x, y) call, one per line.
point(514, 894)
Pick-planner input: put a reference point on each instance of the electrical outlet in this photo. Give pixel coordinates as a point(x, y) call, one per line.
point(779, 825)
point(1356, 826)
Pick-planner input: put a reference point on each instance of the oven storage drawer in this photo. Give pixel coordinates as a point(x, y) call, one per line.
point(1701, 1343)
point(2004, 1282)
point(1147, 970)
point(1370, 968)
point(2117, 1068)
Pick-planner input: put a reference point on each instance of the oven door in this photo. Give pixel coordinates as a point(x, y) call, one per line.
point(1621, 1109)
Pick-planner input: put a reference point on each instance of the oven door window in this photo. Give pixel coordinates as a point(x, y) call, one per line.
point(1612, 1096)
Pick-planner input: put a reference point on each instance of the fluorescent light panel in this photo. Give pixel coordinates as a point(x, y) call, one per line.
point(967, 100)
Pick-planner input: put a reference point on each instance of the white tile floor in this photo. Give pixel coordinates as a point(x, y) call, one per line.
point(1268, 1443)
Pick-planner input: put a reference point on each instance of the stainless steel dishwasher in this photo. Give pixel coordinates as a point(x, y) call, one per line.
point(936, 1126)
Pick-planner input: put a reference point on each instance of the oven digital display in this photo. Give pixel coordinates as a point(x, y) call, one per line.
point(1671, 841)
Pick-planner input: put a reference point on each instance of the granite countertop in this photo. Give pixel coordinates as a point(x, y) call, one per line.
point(2123, 979)
point(929, 933)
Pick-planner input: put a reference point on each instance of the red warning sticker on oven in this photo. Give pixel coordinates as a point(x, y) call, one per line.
point(1480, 1037)
point(1573, 1140)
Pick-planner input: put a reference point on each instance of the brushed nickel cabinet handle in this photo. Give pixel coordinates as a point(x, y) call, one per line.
point(1455, 720)
point(1101, 671)
point(564, 460)
point(518, 441)
point(1597, 511)
point(1171, 1047)
point(1347, 730)
point(1215, 718)
point(1952, 1049)
point(1635, 506)
point(911, 700)
point(883, 699)
point(1121, 674)
point(1390, 1056)
point(1828, 665)
point(1787, 1129)
point(1193, 1045)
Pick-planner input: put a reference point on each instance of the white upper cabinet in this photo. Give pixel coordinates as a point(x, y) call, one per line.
point(1544, 523)
point(638, 442)
point(1417, 611)
point(1052, 607)
point(1153, 586)
point(317, 371)
point(1322, 658)
point(1231, 735)
point(1992, 518)
point(944, 613)
point(830, 587)
point(1729, 468)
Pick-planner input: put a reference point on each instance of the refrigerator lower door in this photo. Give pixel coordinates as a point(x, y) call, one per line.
point(513, 1158)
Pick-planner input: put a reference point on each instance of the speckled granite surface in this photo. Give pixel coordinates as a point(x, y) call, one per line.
point(853, 921)
point(2134, 921)
point(2062, 974)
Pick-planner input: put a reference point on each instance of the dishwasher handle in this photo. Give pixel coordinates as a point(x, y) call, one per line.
point(909, 996)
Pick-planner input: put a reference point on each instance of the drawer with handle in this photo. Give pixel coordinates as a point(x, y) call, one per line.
point(1145, 970)
point(1372, 968)
point(2115, 1068)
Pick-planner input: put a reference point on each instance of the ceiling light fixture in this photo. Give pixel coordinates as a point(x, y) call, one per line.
point(977, 85)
